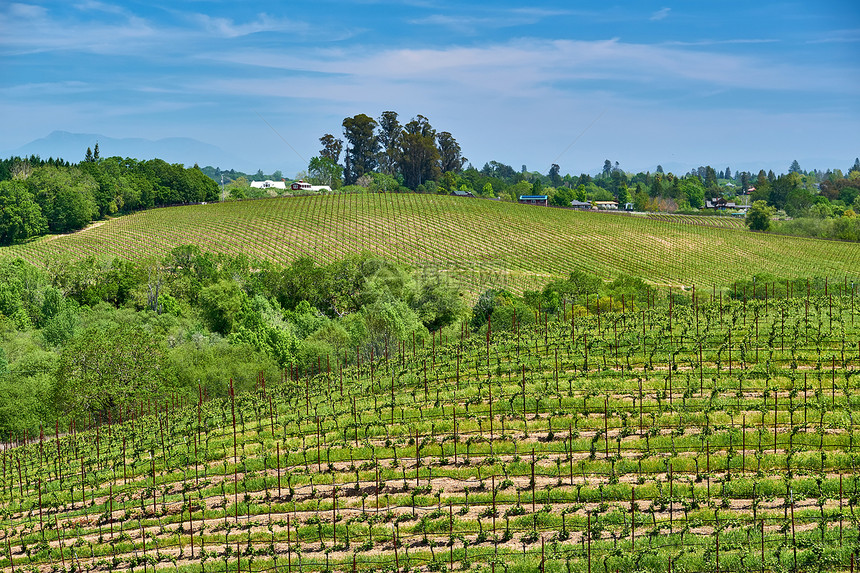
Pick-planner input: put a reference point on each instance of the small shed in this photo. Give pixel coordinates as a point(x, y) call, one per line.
point(459, 193)
point(534, 200)
point(581, 205)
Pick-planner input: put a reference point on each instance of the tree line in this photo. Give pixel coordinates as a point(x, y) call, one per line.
point(37, 197)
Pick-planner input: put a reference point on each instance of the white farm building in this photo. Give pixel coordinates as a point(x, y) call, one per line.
point(269, 184)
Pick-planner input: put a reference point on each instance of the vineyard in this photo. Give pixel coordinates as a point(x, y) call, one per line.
point(477, 243)
point(707, 220)
point(707, 431)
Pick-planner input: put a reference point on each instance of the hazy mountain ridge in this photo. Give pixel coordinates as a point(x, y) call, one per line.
point(73, 146)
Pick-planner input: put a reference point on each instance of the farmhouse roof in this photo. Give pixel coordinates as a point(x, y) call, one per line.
point(459, 193)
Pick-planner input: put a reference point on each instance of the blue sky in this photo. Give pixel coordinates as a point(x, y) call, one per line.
point(733, 83)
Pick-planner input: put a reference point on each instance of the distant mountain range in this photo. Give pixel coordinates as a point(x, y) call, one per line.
point(73, 147)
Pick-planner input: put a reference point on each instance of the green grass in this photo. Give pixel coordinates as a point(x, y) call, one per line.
point(481, 243)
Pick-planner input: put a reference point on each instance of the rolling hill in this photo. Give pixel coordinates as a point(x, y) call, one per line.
point(478, 242)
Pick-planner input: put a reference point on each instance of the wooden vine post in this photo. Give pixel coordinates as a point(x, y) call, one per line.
point(235, 455)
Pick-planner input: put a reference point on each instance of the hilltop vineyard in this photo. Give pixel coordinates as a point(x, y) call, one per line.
point(702, 431)
point(475, 242)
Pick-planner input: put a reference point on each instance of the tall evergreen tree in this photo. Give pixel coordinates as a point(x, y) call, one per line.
point(389, 142)
point(450, 157)
point(554, 175)
point(607, 168)
point(656, 189)
point(419, 156)
point(710, 177)
point(362, 146)
point(332, 147)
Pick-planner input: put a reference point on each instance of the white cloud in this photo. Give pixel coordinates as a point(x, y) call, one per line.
point(736, 41)
point(472, 24)
point(530, 66)
point(660, 14)
point(467, 24)
point(227, 28)
point(24, 11)
point(542, 12)
point(498, 18)
point(32, 29)
point(35, 90)
point(94, 6)
point(100, 28)
point(838, 37)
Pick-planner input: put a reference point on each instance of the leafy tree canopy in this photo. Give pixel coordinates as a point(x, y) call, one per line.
point(103, 370)
point(758, 216)
point(20, 216)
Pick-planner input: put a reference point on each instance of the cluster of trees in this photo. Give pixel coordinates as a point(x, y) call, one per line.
point(20, 168)
point(85, 338)
point(582, 292)
point(646, 191)
point(813, 194)
point(407, 155)
point(818, 204)
point(54, 196)
point(384, 155)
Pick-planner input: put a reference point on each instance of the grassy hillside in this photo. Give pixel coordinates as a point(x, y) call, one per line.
point(480, 242)
point(713, 436)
